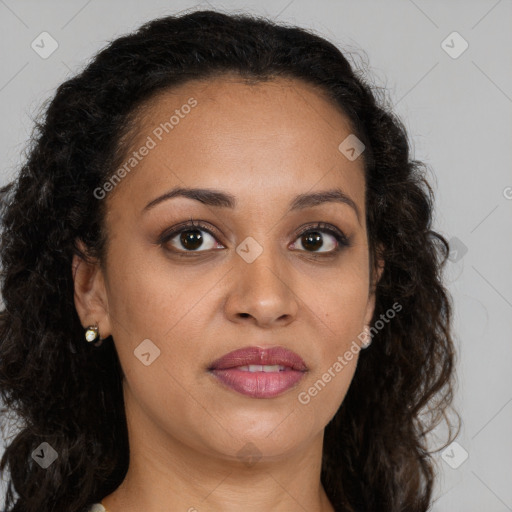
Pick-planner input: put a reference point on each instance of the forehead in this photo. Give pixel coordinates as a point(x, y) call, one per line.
point(260, 108)
point(262, 138)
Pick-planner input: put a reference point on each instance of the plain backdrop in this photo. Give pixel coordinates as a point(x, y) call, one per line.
point(452, 90)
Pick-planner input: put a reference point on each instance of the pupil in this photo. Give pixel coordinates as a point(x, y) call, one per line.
point(191, 239)
point(313, 238)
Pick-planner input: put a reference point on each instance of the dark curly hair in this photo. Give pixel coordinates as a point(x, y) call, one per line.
point(62, 391)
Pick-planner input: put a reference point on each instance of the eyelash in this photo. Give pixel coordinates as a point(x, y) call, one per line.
point(339, 236)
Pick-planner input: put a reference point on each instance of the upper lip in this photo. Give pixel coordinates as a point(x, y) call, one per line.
point(260, 356)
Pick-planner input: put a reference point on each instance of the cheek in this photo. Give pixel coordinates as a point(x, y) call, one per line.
point(339, 307)
point(326, 389)
point(157, 310)
point(339, 302)
point(339, 347)
point(149, 296)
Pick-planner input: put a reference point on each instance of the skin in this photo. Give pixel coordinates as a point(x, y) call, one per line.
point(264, 144)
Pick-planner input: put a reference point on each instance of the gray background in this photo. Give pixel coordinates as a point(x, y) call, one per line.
point(458, 113)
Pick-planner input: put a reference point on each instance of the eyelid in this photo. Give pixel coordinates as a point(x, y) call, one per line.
point(325, 227)
point(187, 225)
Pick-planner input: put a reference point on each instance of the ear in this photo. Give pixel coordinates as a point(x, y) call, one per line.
point(90, 293)
point(377, 273)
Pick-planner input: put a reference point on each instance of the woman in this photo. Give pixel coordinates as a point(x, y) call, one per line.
point(222, 290)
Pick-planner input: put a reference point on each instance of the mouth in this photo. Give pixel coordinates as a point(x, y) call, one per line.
point(258, 372)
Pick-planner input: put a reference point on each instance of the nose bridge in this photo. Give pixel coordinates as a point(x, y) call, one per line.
point(262, 288)
point(260, 261)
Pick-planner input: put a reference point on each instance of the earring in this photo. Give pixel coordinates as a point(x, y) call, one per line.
point(91, 334)
point(368, 338)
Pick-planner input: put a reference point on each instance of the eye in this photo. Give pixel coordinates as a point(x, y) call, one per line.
point(190, 237)
point(195, 236)
point(312, 238)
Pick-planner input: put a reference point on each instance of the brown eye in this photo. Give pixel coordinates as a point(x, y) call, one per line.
point(190, 237)
point(191, 240)
point(321, 239)
point(312, 241)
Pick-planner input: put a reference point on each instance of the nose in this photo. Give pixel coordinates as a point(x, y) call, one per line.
point(262, 292)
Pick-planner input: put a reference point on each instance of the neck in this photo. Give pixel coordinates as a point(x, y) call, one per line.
point(168, 474)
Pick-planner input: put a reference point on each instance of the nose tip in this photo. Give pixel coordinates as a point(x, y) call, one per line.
point(259, 294)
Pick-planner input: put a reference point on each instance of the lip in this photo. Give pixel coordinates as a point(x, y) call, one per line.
point(259, 384)
point(258, 355)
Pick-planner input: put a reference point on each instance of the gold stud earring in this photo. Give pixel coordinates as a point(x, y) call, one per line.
point(91, 334)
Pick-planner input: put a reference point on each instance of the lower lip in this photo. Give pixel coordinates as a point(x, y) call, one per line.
point(258, 384)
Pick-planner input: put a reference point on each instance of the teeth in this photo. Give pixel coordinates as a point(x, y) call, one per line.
point(262, 368)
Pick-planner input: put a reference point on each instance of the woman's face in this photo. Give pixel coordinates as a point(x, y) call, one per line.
point(177, 301)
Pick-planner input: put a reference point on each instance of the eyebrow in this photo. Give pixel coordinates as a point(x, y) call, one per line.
point(217, 198)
